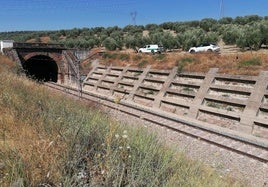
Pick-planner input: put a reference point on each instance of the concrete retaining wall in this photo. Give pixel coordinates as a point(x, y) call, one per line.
point(236, 102)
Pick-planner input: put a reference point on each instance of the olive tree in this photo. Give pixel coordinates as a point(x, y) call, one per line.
point(152, 27)
point(118, 36)
point(207, 24)
point(155, 37)
point(250, 37)
point(225, 20)
point(264, 32)
point(133, 29)
point(231, 34)
point(191, 38)
point(133, 41)
point(109, 43)
point(168, 41)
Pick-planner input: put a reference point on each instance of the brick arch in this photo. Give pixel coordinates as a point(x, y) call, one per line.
point(55, 56)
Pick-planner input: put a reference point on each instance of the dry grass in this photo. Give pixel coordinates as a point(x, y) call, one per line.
point(39, 155)
point(6, 64)
point(26, 148)
point(47, 138)
point(23, 135)
point(227, 63)
point(44, 39)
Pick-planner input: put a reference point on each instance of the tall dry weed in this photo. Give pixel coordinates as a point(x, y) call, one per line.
point(22, 133)
point(46, 138)
point(227, 63)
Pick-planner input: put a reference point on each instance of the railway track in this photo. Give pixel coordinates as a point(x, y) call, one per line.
point(250, 147)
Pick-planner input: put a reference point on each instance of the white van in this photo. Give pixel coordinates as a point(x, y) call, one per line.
point(152, 48)
point(6, 44)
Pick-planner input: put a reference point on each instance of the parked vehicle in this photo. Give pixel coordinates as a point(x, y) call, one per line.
point(152, 48)
point(6, 44)
point(205, 48)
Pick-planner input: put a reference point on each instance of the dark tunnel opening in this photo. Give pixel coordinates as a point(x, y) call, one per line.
point(41, 68)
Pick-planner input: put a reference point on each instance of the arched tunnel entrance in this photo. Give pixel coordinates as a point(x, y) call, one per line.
point(41, 68)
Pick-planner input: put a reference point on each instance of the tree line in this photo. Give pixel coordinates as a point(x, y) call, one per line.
point(244, 31)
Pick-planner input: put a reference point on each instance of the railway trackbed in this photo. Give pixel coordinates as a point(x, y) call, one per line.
point(248, 146)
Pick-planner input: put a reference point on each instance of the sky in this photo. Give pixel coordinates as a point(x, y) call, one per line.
point(44, 15)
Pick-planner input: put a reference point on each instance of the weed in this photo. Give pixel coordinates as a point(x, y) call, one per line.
point(10, 160)
point(50, 139)
point(117, 99)
point(137, 57)
point(229, 108)
point(137, 74)
point(159, 57)
point(110, 56)
point(149, 92)
point(225, 95)
point(183, 62)
point(180, 66)
point(142, 64)
point(213, 104)
point(188, 89)
point(250, 62)
point(124, 56)
point(187, 60)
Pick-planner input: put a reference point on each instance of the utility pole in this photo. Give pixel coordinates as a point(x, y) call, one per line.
point(133, 16)
point(221, 9)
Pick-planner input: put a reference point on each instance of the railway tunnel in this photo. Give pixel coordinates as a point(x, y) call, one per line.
point(41, 68)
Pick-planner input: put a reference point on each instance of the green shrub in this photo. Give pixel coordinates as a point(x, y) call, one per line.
point(124, 56)
point(110, 56)
point(250, 62)
point(187, 59)
point(159, 56)
point(110, 43)
point(137, 57)
point(182, 62)
point(142, 64)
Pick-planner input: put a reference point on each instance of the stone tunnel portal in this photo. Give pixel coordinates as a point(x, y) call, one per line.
point(41, 68)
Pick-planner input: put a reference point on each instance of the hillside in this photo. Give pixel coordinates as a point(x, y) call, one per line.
point(228, 61)
point(48, 139)
point(233, 35)
point(246, 32)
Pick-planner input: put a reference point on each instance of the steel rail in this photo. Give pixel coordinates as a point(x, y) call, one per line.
point(240, 145)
